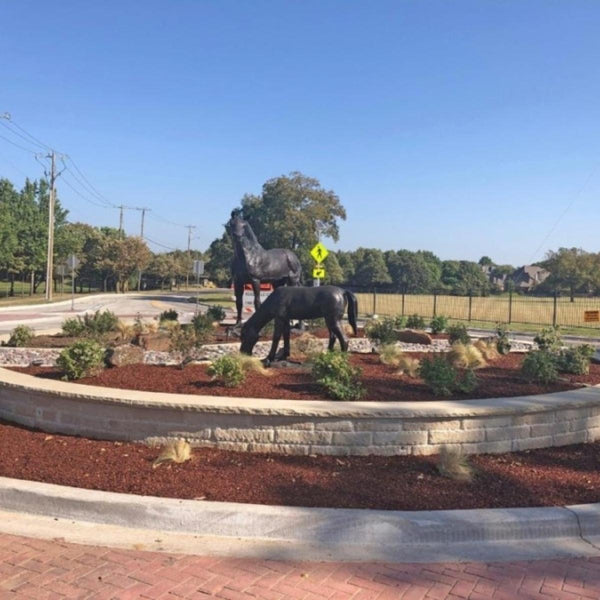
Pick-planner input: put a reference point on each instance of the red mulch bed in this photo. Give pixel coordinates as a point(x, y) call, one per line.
point(501, 378)
point(548, 477)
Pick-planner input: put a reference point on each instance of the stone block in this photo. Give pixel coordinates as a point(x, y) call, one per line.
point(534, 418)
point(243, 435)
point(331, 450)
point(334, 425)
point(424, 450)
point(531, 443)
point(352, 438)
point(233, 446)
point(399, 438)
point(414, 336)
point(549, 429)
point(427, 425)
point(485, 422)
point(461, 436)
point(487, 447)
point(565, 439)
point(379, 425)
point(498, 434)
point(288, 436)
point(288, 449)
point(593, 434)
point(573, 414)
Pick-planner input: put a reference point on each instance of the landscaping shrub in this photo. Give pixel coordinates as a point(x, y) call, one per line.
point(540, 366)
point(575, 359)
point(488, 349)
point(438, 324)
point(466, 356)
point(458, 333)
point(91, 325)
point(183, 340)
point(20, 336)
point(454, 464)
point(341, 380)
point(407, 365)
point(177, 452)
point(390, 354)
point(81, 359)
point(168, 315)
point(382, 331)
point(468, 382)
point(203, 327)
point(549, 339)
point(439, 375)
point(502, 342)
point(126, 331)
point(215, 313)
point(227, 369)
point(73, 327)
point(415, 322)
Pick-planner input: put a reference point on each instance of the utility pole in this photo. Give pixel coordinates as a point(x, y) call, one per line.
point(187, 274)
point(51, 204)
point(143, 211)
point(121, 218)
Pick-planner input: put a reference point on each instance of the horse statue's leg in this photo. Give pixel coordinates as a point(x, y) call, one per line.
point(336, 331)
point(238, 288)
point(256, 290)
point(284, 353)
point(278, 330)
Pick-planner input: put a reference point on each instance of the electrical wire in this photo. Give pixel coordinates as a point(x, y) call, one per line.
point(66, 181)
point(38, 142)
point(4, 124)
point(91, 188)
point(18, 145)
point(161, 218)
point(158, 243)
point(105, 203)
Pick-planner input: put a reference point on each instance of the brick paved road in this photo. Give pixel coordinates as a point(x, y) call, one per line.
point(50, 570)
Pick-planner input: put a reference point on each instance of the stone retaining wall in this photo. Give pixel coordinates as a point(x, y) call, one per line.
point(303, 427)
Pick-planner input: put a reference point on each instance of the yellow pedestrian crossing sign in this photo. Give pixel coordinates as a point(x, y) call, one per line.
point(319, 253)
point(318, 273)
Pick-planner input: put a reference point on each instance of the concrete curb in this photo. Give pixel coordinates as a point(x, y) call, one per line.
point(314, 533)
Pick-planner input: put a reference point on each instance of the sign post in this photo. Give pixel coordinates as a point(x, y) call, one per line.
point(198, 270)
point(72, 263)
point(319, 254)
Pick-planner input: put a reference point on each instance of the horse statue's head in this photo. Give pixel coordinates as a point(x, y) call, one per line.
point(236, 226)
point(249, 337)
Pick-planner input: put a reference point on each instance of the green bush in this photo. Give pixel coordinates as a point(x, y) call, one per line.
point(415, 322)
point(203, 328)
point(91, 325)
point(341, 380)
point(444, 379)
point(502, 342)
point(183, 339)
point(168, 315)
point(81, 359)
point(73, 327)
point(458, 333)
point(438, 324)
point(216, 313)
point(540, 366)
point(20, 336)
point(575, 359)
point(382, 331)
point(227, 369)
point(549, 339)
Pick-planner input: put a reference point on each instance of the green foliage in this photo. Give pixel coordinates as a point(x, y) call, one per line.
point(341, 380)
point(382, 331)
point(203, 327)
point(73, 327)
point(81, 359)
point(458, 333)
point(20, 336)
point(549, 339)
point(540, 366)
point(228, 369)
point(91, 325)
point(216, 313)
point(183, 339)
point(168, 315)
point(444, 379)
point(415, 322)
point(575, 359)
point(503, 344)
point(438, 324)
point(390, 354)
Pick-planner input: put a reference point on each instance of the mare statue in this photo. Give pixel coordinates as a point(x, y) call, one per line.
point(253, 264)
point(287, 303)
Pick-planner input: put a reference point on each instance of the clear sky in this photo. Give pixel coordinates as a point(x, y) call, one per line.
point(461, 127)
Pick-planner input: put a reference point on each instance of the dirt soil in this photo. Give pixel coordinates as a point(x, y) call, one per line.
point(548, 477)
point(501, 378)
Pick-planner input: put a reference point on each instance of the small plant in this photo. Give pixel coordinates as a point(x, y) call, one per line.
point(488, 349)
point(141, 327)
point(390, 354)
point(228, 369)
point(575, 359)
point(20, 336)
point(341, 380)
point(215, 313)
point(549, 339)
point(415, 322)
point(540, 366)
point(454, 465)
point(91, 325)
point(126, 331)
point(439, 375)
point(466, 356)
point(183, 340)
point(502, 342)
point(177, 452)
point(407, 365)
point(73, 327)
point(382, 331)
point(81, 359)
point(458, 333)
point(438, 324)
point(306, 345)
point(168, 315)
point(203, 327)
point(468, 382)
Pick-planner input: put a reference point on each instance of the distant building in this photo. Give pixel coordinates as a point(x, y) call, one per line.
point(528, 277)
point(494, 278)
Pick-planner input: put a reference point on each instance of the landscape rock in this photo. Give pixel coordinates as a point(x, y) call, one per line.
point(126, 354)
point(414, 336)
point(156, 342)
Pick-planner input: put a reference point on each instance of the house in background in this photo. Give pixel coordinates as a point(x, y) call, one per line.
point(528, 277)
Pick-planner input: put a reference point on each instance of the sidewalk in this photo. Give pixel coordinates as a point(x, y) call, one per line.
point(55, 570)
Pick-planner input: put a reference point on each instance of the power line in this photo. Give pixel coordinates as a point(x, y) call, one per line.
point(18, 145)
point(40, 143)
point(82, 196)
point(89, 186)
point(159, 244)
point(6, 126)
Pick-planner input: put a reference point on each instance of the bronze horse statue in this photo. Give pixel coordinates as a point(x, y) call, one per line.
point(287, 303)
point(253, 264)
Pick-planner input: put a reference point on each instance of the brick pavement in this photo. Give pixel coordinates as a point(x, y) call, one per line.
point(53, 570)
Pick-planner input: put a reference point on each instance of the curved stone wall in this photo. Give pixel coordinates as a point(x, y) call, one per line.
point(300, 426)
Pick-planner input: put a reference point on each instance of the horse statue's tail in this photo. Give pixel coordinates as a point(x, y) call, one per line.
point(352, 310)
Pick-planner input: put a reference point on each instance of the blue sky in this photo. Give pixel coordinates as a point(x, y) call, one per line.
point(463, 127)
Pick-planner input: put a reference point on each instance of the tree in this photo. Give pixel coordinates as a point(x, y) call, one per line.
point(347, 264)
point(334, 274)
point(485, 261)
point(371, 269)
point(123, 257)
point(569, 269)
point(220, 255)
point(8, 226)
point(411, 272)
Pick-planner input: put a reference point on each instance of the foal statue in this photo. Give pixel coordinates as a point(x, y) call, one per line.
point(253, 264)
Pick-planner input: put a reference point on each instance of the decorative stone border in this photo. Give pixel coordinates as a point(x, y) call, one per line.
point(302, 426)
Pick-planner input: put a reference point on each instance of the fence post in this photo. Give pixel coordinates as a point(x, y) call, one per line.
point(374, 301)
point(510, 306)
point(403, 292)
point(554, 308)
point(434, 304)
point(470, 303)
